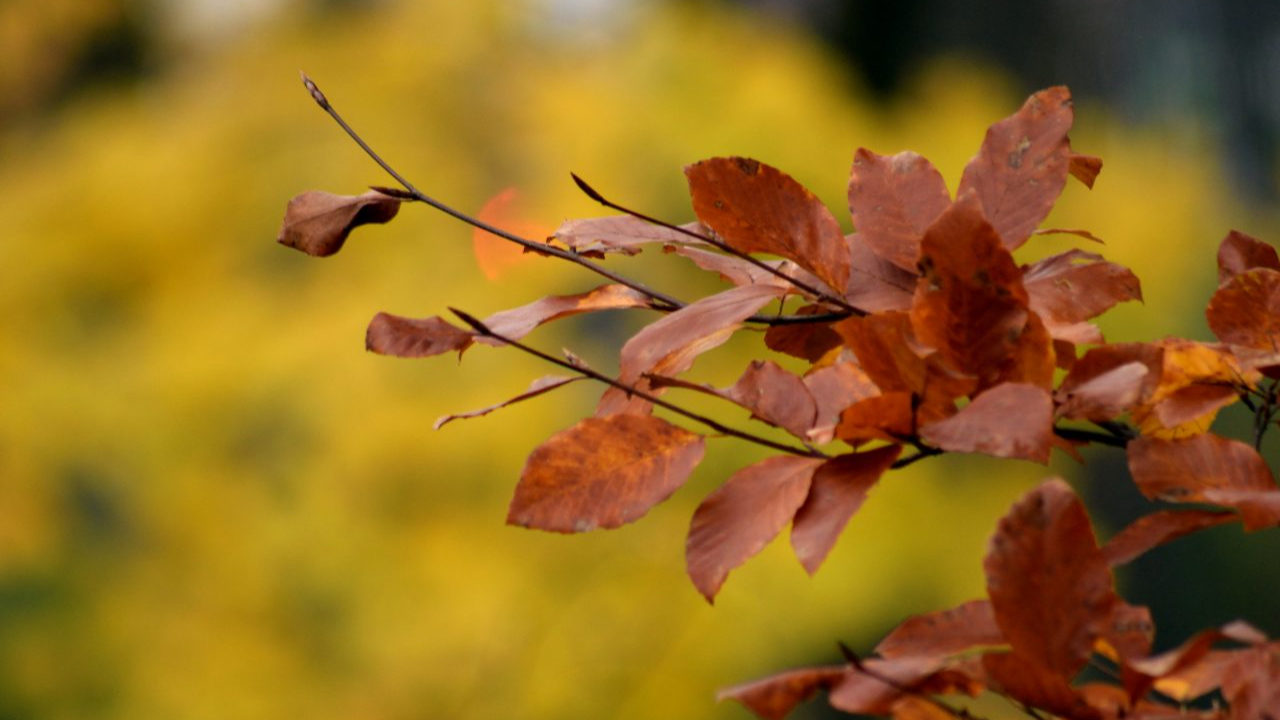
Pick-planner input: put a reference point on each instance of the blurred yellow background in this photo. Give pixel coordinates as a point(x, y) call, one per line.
point(215, 504)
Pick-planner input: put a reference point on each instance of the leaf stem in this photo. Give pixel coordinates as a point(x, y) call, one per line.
point(1091, 436)
point(484, 330)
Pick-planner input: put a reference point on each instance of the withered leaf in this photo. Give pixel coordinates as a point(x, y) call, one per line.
point(838, 489)
point(318, 223)
point(874, 690)
point(1183, 470)
point(834, 388)
point(518, 322)
point(756, 208)
point(409, 338)
point(890, 417)
point(541, 385)
point(1109, 380)
point(875, 284)
point(944, 633)
point(622, 233)
point(1034, 356)
point(773, 698)
point(1239, 253)
point(809, 341)
point(772, 394)
point(1070, 231)
point(740, 272)
point(1130, 631)
point(1143, 673)
point(1035, 685)
point(1192, 402)
point(737, 520)
point(1246, 310)
point(971, 304)
point(1156, 529)
point(1011, 420)
point(603, 473)
point(1084, 168)
point(1049, 584)
point(893, 201)
point(1075, 286)
point(1022, 165)
point(887, 349)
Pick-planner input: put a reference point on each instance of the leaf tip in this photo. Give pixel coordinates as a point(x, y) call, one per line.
point(472, 321)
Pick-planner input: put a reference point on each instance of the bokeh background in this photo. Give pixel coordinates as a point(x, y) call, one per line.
point(215, 504)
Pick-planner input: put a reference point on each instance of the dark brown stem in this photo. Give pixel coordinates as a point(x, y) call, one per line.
point(856, 662)
point(1090, 436)
point(484, 330)
point(720, 244)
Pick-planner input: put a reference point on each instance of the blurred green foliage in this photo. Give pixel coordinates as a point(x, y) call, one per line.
point(214, 504)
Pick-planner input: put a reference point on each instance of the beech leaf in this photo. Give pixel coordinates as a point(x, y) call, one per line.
point(1239, 253)
point(893, 200)
point(1246, 310)
point(809, 341)
point(838, 489)
point(409, 338)
point(1152, 531)
point(875, 284)
point(1194, 469)
point(1011, 420)
point(757, 208)
point(518, 322)
point(318, 223)
point(624, 234)
point(834, 388)
point(737, 520)
point(1074, 286)
point(773, 698)
point(1084, 168)
point(944, 633)
point(603, 473)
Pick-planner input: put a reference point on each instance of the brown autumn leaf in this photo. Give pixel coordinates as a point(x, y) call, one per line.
point(740, 517)
point(874, 689)
point(518, 322)
point(887, 349)
point(1246, 310)
point(893, 200)
point(1011, 420)
point(603, 473)
point(889, 417)
point(740, 272)
point(622, 234)
point(1070, 231)
point(913, 707)
point(1239, 253)
point(1206, 468)
point(1049, 584)
point(1260, 509)
point(773, 698)
point(834, 388)
point(1074, 286)
point(1129, 634)
point(1032, 684)
point(971, 304)
point(538, 387)
point(772, 394)
point(1193, 402)
point(1152, 531)
point(1084, 168)
point(1022, 165)
point(1110, 380)
point(1253, 690)
point(757, 208)
point(875, 284)
point(838, 489)
point(943, 633)
point(809, 341)
point(409, 338)
point(1034, 357)
point(318, 223)
point(1141, 674)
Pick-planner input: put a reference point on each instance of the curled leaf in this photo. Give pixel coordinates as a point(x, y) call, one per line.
point(409, 338)
point(622, 233)
point(538, 387)
point(318, 223)
point(518, 322)
point(1239, 253)
point(773, 698)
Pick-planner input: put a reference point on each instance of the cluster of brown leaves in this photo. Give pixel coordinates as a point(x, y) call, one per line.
point(1051, 611)
point(922, 334)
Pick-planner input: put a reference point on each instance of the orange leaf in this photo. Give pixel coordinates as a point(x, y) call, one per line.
point(1022, 165)
point(1182, 470)
point(1011, 420)
point(1048, 582)
point(756, 208)
point(603, 472)
point(1035, 685)
point(737, 520)
point(409, 338)
point(495, 255)
point(809, 341)
point(1246, 310)
point(834, 388)
point(887, 349)
point(1084, 168)
point(318, 223)
point(838, 489)
point(893, 201)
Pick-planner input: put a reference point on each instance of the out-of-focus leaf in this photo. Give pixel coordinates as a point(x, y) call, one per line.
point(1022, 165)
point(912, 707)
point(1130, 631)
point(1143, 673)
point(1193, 402)
point(971, 305)
point(1239, 253)
point(409, 338)
point(1049, 584)
point(737, 520)
point(838, 489)
point(1011, 420)
point(541, 385)
point(318, 223)
point(1074, 286)
point(874, 690)
point(1070, 231)
point(757, 208)
point(621, 233)
point(1156, 529)
point(893, 201)
point(1035, 685)
point(875, 284)
point(603, 472)
point(773, 698)
point(1206, 468)
point(1246, 310)
point(1084, 168)
point(496, 255)
point(518, 322)
point(944, 633)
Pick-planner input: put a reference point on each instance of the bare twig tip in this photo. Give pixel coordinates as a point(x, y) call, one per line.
point(590, 191)
point(472, 321)
point(311, 87)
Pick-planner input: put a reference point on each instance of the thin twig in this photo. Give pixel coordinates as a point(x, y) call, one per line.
point(720, 244)
point(922, 452)
point(856, 662)
point(1090, 436)
point(484, 330)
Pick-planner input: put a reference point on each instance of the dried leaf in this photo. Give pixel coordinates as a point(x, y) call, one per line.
point(1193, 402)
point(756, 208)
point(1033, 359)
point(738, 271)
point(1240, 253)
point(971, 304)
point(1070, 231)
point(1129, 633)
point(1049, 584)
point(874, 690)
point(1246, 310)
point(603, 472)
point(773, 698)
point(318, 223)
point(1152, 531)
point(409, 338)
point(889, 417)
point(1023, 164)
point(948, 632)
point(541, 385)
point(1182, 470)
point(838, 489)
point(1011, 420)
point(621, 233)
point(1074, 286)
point(1032, 684)
point(886, 347)
point(1084, 168)
point(875, 284)
point(1109, 380)
point(893, 201)
point(737, 520)
point(772, 394)
point(834, 388)
point(809, 341)
point(518, 322)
